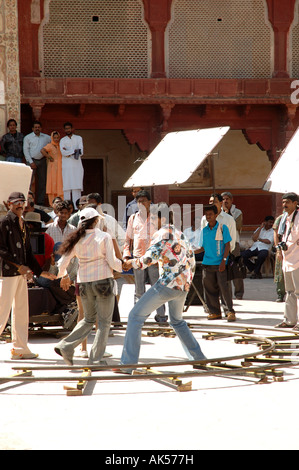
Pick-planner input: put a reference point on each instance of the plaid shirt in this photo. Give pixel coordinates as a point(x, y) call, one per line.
point(138, 235)
point(96, 256)
point(56, 233)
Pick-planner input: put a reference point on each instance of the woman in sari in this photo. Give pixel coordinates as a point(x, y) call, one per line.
point(54, 171)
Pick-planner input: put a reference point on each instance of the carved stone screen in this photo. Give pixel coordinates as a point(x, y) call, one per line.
point(94, 38)
point(294, 43)
point(219, 39)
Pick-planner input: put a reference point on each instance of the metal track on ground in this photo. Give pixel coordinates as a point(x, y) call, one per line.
point(273, 353)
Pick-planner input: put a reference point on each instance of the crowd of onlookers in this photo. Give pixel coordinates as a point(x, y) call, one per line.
point(214, 240)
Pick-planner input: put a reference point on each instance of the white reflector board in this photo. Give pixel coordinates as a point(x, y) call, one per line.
point(14, 177)
point(176, 157)
point(283, 177)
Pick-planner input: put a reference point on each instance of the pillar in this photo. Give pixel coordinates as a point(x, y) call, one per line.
point(9, 64)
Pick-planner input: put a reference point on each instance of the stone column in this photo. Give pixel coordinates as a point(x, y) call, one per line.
point(9, 64)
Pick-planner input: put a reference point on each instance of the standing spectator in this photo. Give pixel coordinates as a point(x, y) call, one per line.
point(71, 147)
point(110, 224)
point(139, 233)
point(33, 144)
point(289, 251)
point(231, 209)
point(60, 228)
point(193, 235)
point(97, 260)
point(53, 213)
point(224, 219)
point(113, 227)
point(53, 155)
point(131, 207)
point(16, 263)
point(12, 143)
point(263, 239)
point(30, 207)
point(215, 242)
point(278, 272)
point(75, 217)
point(170, 248)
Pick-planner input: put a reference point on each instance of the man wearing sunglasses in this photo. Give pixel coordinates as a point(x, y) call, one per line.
point(17, 263)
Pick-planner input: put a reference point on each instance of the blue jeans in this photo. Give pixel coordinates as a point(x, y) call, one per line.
point(140, 276)
point(98, 303)
point(10, 158)
point(150, 301)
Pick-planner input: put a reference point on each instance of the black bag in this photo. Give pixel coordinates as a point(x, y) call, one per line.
point(235, 268)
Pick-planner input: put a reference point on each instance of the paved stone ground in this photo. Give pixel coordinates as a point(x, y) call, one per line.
point(218, 413)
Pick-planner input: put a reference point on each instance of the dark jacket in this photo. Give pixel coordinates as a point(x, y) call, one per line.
point(15, 248)
point(12, 145)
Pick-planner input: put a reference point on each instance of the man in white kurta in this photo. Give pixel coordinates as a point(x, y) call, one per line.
point(71, 147)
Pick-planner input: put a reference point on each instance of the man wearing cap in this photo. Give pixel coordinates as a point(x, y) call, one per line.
point(288, 250)
point(16, 263)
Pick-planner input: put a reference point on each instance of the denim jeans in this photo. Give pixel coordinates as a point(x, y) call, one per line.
point(98, 303)
point(11, 158)
point(140, 276)
point(150, 301)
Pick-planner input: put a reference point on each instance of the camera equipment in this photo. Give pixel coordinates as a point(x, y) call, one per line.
point(282, 246)
point(37, 240)
point(77, 154)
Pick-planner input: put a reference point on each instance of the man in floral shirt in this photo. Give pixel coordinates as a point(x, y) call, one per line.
point(174, 254)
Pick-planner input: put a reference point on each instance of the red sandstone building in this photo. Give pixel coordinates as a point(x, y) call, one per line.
point(125, 72)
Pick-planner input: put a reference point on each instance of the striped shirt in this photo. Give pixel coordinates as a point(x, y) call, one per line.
point(96, 256)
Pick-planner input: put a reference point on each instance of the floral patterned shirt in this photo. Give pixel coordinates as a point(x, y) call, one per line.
point(172, 250)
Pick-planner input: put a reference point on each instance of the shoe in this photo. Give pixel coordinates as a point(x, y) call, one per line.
point(279, 299)
point(67, 358)
point(122, 371)
point(296, 327)
point(106, 354)
point(231, 316)
point(214, 316)
point(160, 318)
point(256, 276)
point(84, 354)
point(70, 315)
point(284, 325)
point(239, 297)
point(15, 355)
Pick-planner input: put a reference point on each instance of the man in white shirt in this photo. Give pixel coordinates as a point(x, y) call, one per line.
point(231, 209)
point(71, 147)
point(288, 250)
point(32, 145)
point(263, 239)
point(111, 224)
